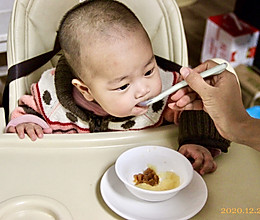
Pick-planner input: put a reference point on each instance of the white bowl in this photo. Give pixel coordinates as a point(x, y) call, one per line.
point(137, 159)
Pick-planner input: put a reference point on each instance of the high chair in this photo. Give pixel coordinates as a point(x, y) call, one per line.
point(58, 177)
point(63, 171)
point(33, 30)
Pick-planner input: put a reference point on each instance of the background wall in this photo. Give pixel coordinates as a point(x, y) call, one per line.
point(194, 19)
point(5, 13)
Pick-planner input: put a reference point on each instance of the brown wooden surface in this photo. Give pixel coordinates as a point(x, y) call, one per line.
point(3, 59)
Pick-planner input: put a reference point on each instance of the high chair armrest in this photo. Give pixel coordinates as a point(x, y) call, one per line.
point(2, 120)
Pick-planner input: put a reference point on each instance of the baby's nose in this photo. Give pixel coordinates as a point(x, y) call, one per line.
point(142, 91)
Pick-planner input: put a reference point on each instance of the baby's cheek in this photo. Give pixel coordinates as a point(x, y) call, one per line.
point(158, 87)
point(121, 109)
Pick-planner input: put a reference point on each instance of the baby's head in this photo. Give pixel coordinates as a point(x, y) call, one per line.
point(111, 56)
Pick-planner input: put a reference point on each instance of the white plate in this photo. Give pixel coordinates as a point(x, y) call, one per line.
point(184, 205)
point(32, 208)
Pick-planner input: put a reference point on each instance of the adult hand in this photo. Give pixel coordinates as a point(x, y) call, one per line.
point(220, 97)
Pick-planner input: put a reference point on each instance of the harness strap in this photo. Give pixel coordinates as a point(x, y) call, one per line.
point(167, 65)
point(25, 68)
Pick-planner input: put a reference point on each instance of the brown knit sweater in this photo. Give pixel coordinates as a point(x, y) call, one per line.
point(196, 127)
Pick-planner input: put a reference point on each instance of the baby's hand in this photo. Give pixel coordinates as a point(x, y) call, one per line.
point(33, 130)
point(203, 162)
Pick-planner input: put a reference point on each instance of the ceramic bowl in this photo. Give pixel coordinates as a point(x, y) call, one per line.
point(163, 159)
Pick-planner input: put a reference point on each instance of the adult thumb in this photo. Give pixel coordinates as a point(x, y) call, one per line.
point(194, 80)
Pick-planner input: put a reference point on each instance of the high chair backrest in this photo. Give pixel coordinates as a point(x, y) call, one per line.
point(33, 26)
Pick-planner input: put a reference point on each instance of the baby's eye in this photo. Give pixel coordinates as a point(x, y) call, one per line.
point(123, 87)
point(148, 73)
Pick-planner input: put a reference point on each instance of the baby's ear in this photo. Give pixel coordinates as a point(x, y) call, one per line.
point(84, 90)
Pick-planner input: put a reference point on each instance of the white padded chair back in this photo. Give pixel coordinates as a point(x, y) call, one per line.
point(34, 23)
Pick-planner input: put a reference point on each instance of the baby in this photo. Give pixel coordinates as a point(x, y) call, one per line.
point(108, 68)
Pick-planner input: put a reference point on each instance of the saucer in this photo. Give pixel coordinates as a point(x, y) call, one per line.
point(184, 205)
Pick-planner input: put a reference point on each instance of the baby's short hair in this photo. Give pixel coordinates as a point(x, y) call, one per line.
point(93, 16)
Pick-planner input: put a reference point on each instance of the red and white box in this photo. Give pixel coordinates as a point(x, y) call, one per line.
point(229, 38)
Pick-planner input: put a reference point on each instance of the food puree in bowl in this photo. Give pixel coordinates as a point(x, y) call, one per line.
point(163, 181)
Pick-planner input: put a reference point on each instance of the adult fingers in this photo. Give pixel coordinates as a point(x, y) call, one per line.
point(180, 93)
point(195, 105)
point(187, 99)
point(205, 66)
point(195, 81)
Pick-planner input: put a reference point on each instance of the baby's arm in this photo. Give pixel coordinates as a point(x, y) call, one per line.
point(28, 124)
point(200, 157)
point(26, 118)
point(200, 140)
point(34, 131)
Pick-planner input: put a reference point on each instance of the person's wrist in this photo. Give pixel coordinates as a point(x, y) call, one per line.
point(232, 127)
point(242, 130)
point(251, 137)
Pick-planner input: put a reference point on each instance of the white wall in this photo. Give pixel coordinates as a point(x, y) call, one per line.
point(5, 13)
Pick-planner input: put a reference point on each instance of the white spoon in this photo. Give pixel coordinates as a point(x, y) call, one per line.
point(210, 72)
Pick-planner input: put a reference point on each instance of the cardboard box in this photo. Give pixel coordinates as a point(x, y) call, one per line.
point(229, 38)
point(250, 85)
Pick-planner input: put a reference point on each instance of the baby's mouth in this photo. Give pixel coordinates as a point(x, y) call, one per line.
point(141, 105)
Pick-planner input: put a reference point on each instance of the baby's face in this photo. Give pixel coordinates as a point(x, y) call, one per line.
point(125, 74)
